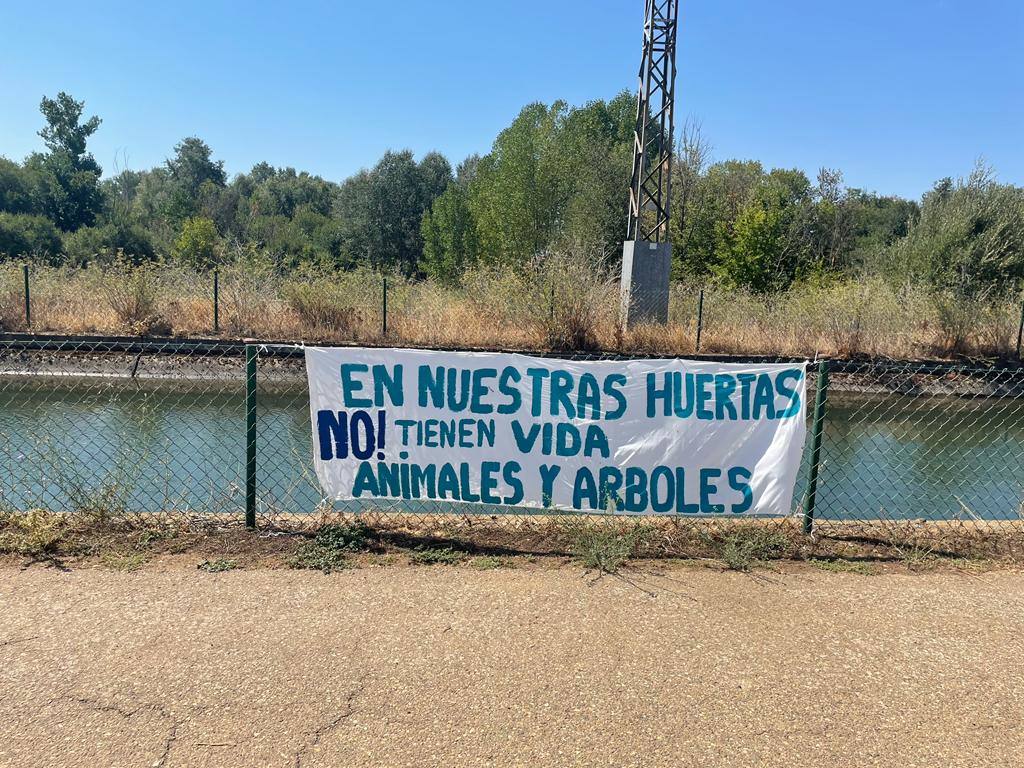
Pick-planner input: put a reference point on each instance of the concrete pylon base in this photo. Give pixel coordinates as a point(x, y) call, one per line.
point(645, 274)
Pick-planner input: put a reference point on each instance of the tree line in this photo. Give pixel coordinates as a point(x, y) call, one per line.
point(555, 179)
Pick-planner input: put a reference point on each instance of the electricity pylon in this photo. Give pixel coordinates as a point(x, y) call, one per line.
point(646, 254)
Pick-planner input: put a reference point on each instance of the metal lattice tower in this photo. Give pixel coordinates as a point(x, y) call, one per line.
point(650, 187)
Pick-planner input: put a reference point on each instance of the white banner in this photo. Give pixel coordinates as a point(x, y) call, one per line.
point(666, 437)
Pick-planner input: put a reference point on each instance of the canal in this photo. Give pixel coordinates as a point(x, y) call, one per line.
point(119, 446)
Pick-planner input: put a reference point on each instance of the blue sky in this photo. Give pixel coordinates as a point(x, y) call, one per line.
point(896, 94)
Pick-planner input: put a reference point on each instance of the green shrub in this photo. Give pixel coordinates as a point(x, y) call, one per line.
point(329, 549)
point(198, 245)
point(24, 235)
point(106, 244)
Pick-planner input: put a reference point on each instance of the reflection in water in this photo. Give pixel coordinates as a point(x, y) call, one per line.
point(119, 448)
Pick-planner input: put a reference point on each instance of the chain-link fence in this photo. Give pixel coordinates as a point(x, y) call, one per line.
point(218, 432)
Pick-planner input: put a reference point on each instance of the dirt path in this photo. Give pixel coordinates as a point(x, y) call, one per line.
point(408, 666)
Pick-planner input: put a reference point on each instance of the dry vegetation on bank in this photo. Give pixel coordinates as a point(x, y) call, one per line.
point(563, 304)
point(595, 543)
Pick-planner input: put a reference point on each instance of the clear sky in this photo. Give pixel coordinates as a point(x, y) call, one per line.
point(896, 93)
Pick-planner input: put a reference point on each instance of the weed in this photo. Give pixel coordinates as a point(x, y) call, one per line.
point(604, 547)
point(912, 552)
point(124, 561)
point(327, 304)
point(743, 548)
point(437, 556)
point(844, 566)
point(579, 298)
point(344, 536)
point(314, 557)
point(219, 565)
point(149, 536)
point(36, 534)
point(132, 293)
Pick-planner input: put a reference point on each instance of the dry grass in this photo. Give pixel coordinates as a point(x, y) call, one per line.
point(603, 543)
point(562, 303)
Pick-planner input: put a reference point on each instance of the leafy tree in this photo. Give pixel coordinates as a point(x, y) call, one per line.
point(15, 188)
point(515, 197)
point(761, 248)
point(281, 192)
point(594, 151)
point(193, 165)
point(66, 179)
point(714, 199)
point(749, 252)
point(555, 177)
point(380, 211)
point(195, 178)
point(969, 237)
point(449, 236)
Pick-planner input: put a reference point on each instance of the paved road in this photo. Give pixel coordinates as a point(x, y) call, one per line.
point(408, 666)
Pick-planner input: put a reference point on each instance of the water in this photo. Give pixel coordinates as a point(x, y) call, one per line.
point(117, 445)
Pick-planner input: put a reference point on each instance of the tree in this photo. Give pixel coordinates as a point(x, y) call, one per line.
point(380, 211)
point(687, 176)
point(749, 252)
point(15, 188)
point(714, 200)
point(555, 177)
point(66, 179)
point(516, 198)
point(195, 178)
point(193, 165)
point(969, 237)
point(449, 236)
point(761, 248)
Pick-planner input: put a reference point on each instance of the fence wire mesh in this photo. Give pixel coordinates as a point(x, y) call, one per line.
point(117, 428)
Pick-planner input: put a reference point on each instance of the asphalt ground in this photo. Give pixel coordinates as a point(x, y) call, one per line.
point(530, 666)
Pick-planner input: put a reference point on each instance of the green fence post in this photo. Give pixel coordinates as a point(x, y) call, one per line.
point(1020, 330)
point(817, 431)
point(250, 435)
point(28, 299)
point(216, 301)
point(700, 318)
point(384, 304)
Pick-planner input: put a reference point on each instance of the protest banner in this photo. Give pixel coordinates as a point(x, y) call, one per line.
point(661, 437)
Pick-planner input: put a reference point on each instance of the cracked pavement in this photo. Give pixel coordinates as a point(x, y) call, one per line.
point(408, 666)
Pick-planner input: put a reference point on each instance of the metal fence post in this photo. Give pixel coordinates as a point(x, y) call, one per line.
point(384, 304)
point(216, 301)
point(251, 352)
point(700, 318)
point(1020, 331)
point(817, 430)
point(28, 299)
